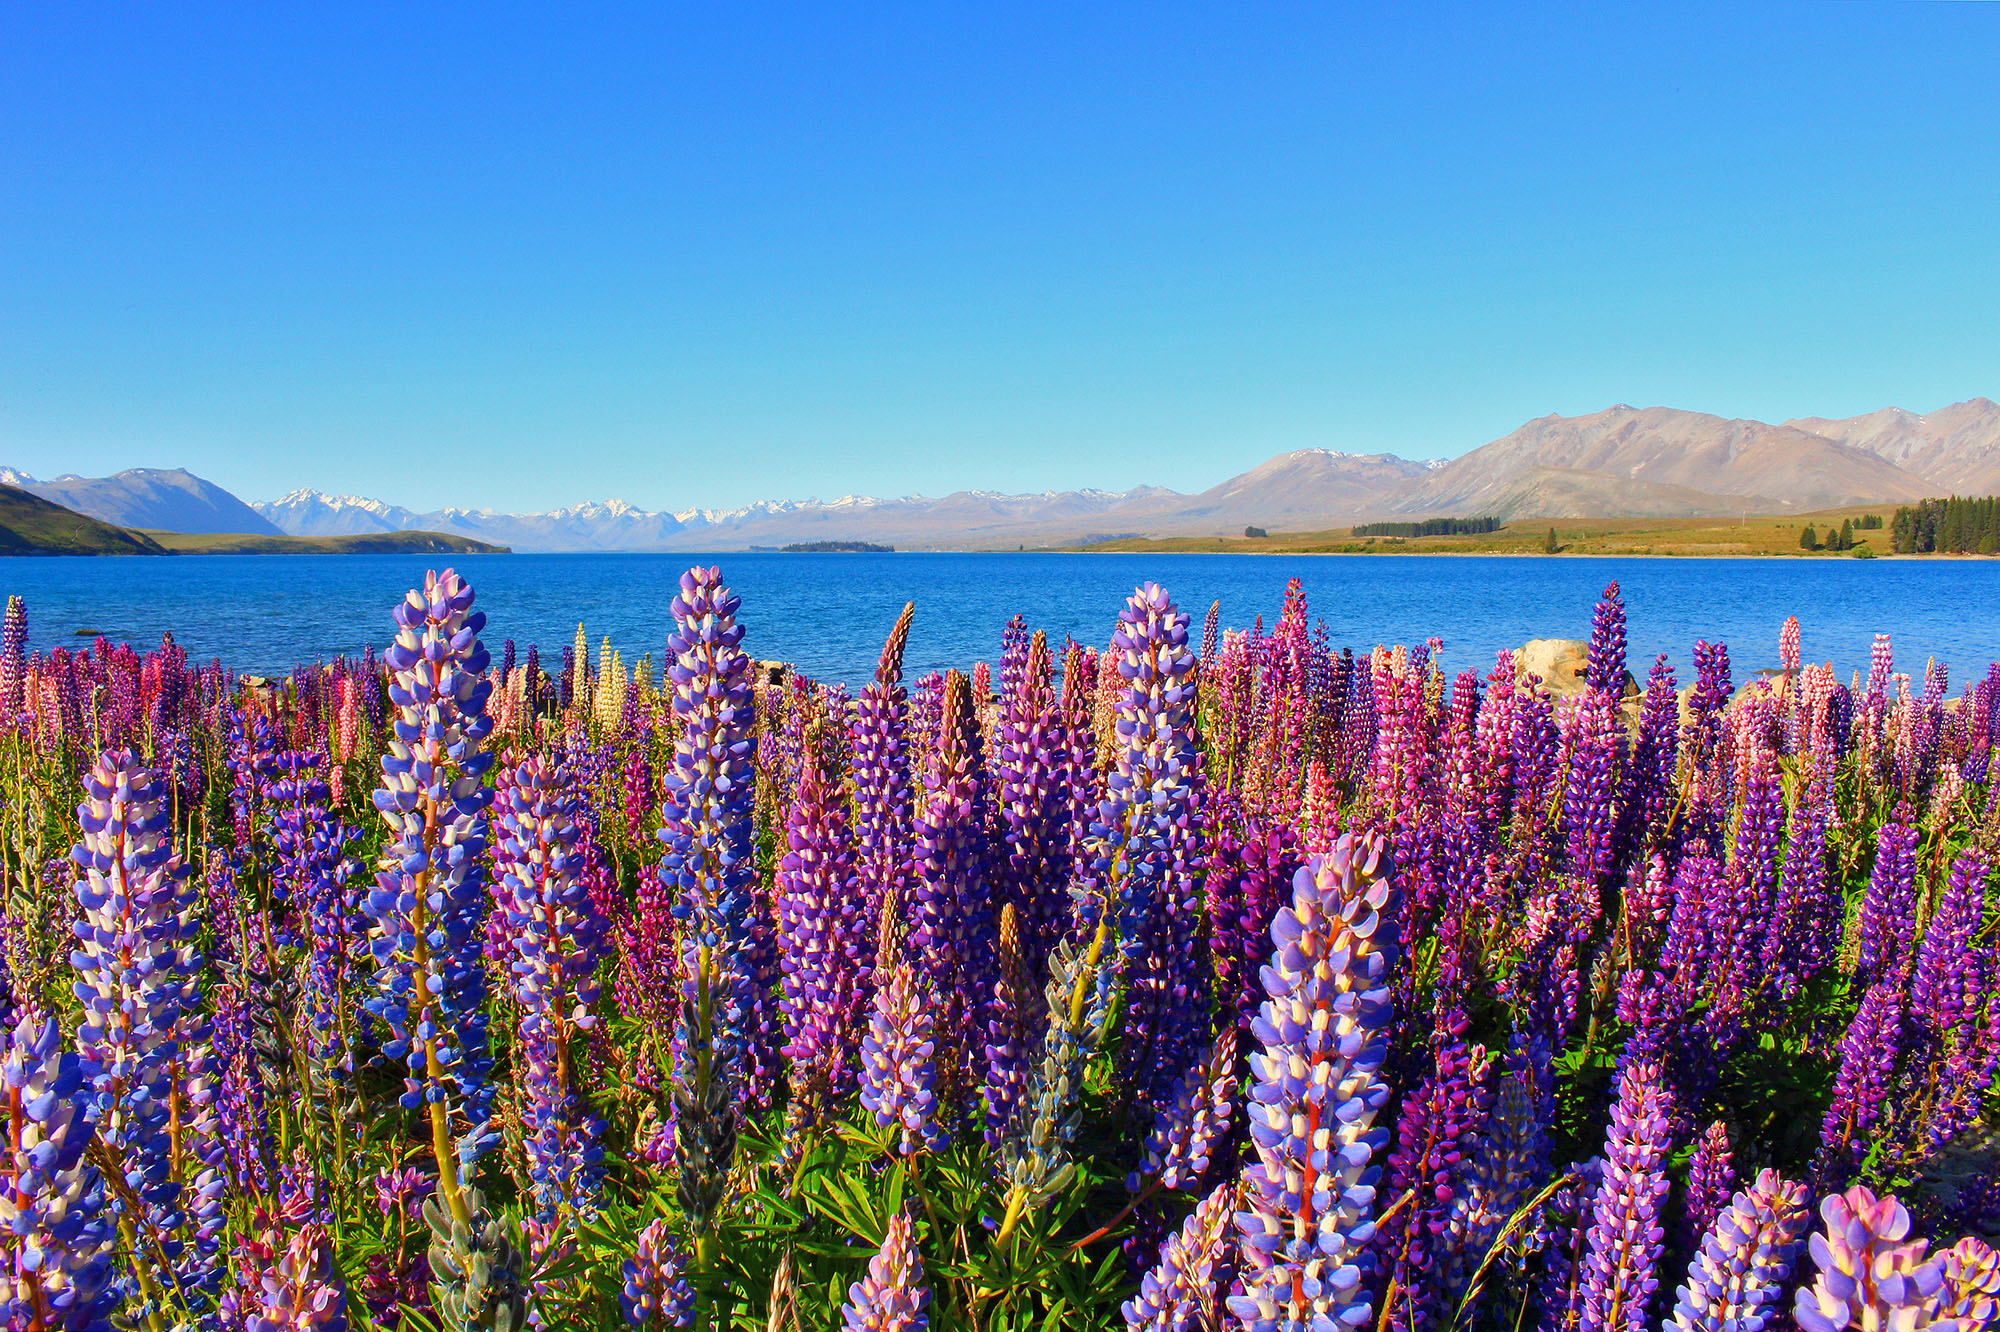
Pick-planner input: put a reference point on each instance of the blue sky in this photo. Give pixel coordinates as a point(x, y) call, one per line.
point(519, 256)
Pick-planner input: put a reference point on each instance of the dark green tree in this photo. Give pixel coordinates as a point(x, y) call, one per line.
point(1808, 539)
point(1550, 547)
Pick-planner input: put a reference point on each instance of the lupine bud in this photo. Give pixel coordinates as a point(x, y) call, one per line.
point(892, 1297)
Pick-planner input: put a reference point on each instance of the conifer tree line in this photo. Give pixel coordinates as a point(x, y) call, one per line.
point(1960, 525)
point(1430, 527)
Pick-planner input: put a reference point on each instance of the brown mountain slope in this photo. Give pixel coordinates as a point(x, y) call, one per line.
point(1568, 492)
point(1304, 486)
point(1955, 448)
point(1664, 446)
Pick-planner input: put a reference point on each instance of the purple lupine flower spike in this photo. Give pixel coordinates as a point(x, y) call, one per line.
point(892, 1297)
point(1178, 1294)
point(430, 898)
point(1745, 1260)
point(137, 980)
point(558, 942)
point(1872, 1276)
point(821, 933)
point(1625, 1239)
point(898, 1068)
point(952, 933)
point(1310, 1191)
point(883, 802)
point(53, 1273)
point(1711, 1184)
point(1869, 1052)
point(1604, 666)
point(656, 1295)
point(1888, 908)
point(710, 867)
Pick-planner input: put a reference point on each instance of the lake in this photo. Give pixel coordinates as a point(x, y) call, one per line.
point(829, 613)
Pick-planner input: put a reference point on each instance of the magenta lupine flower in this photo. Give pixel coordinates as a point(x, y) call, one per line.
point(1625, 1239)
point(137, 980)
point(1310, 1191)
point(13, 663)
point(952, 936)
point(301, 1292)
point(898, 1065)
point(1737, 1277)
point(1872, 1276)
point(821, 931)
point(430, 896)
point(1179, 1293)
point(892, 1297)
point(1711, 1184)
point(558, 942)
point(52, 1269)
point(1889, 908)
point(656, 1295)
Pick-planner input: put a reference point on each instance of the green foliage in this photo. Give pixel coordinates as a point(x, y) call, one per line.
point(1431, 527)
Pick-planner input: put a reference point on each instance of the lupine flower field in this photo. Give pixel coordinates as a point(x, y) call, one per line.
point(1200, 978)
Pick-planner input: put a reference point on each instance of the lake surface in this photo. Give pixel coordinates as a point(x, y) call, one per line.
point(829, 613)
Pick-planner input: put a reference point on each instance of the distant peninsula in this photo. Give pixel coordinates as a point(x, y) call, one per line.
point(836, 548)
point(31, 525)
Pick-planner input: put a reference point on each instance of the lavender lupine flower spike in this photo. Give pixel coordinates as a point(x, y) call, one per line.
point(898, 1073)
point(1872, 1276)
point(656, 1295)
point(705, 824)
point(428, 900)
point(1737, 1276)
point(52, 1274)
point(892, 1297)
point(136, 970)
point(558, 942)
point(1625, 1238)
point(1311, 1188)
point(1178, 1294)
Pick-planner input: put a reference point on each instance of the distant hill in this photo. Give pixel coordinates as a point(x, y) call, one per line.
point(1623, 462)
point(147, 497)
point(1956, 449)
point(31, 525)
point(362, 543)
point(1662, 446)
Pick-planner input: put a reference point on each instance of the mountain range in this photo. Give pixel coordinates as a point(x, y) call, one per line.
point(1620, 462)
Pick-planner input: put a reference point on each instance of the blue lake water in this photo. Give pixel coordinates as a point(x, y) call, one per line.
point(829, 613)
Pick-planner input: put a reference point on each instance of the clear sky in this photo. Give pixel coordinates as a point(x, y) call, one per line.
point(520, 257)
